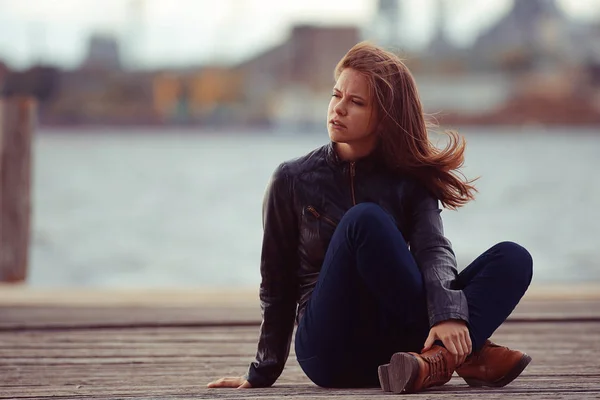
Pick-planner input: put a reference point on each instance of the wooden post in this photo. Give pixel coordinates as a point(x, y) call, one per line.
point(16, 129)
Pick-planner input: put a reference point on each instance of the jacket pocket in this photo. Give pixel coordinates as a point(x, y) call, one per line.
point(321, 216)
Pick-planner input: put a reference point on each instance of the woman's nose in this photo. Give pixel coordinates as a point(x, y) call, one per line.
point(340, 108)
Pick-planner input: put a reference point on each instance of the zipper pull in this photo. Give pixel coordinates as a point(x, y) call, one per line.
point(352, 169)
point(314, 212)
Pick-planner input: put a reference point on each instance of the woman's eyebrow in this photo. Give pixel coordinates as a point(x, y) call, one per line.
point(351, 95)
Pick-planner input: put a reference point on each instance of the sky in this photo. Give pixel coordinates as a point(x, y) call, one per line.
point(192, 32)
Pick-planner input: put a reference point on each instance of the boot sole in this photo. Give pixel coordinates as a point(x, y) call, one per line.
point(400, 374)
point(384, 379)
point(506, 379)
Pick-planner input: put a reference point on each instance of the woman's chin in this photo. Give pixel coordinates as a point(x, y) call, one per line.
point(336, 136)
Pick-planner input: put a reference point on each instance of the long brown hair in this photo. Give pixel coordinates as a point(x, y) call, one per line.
point(402, 128)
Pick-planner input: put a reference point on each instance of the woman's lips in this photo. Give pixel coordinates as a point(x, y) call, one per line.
point(336, 124)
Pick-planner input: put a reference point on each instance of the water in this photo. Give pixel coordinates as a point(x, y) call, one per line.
point(175, 209)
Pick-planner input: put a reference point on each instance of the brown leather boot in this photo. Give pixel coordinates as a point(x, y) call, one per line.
point(412, 372)
point(493, 365)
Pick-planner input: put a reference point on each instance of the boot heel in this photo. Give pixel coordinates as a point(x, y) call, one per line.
point(384, 377)
point(402, 372)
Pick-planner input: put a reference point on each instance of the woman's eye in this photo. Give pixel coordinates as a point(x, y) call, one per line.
point(334, 95)
point(357, 103)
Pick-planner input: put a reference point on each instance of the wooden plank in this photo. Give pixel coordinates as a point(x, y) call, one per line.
point(28, 308)
point(585, 387)
point(11, 294)
point(177, 362)
point(14, 294)
point(163, 361)
point(52, 317)
point(59, 317)
point(16, 127)
point(539, 309)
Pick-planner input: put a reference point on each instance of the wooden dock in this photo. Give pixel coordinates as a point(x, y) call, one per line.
point(168, 344)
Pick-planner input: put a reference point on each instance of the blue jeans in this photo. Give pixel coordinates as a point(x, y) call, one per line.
point(369, 301)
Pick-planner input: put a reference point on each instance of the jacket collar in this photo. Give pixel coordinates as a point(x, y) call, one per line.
point(371, 161)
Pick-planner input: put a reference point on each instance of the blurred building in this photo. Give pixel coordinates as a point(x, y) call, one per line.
point(169, 96)
point(100, 91)
point(585, 43)
point(39, 81)
point(534, 34)
point(102, 53)
point(534, 65)
point(3, 74)
point(92, 96)
point(206, 95)
point(289, 85)
point(464, 94)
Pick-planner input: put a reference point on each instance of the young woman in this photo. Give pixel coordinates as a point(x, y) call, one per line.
point(354, 252)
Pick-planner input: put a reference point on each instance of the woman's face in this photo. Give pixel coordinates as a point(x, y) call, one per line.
point(352, 116)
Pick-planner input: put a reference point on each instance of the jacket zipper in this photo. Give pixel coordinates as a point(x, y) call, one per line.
point(318, 215)
point(352, 173)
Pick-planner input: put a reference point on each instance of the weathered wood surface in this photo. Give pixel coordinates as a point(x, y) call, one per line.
point(56, 317)
point(23, 308)
point(161, 348)
point(178, 362)
point(16, 127)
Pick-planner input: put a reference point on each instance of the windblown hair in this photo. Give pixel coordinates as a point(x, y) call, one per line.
point(402, 128)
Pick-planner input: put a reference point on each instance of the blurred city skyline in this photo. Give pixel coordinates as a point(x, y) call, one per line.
point(536, 63)
point(159, 32)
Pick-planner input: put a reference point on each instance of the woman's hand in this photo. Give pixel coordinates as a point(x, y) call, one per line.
point(230, 382)
point(455, 336)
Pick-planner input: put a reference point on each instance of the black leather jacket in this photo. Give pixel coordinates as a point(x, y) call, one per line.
point(303, 203)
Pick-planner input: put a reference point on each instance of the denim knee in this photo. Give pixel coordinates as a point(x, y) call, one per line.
point(520, 261)
point(367, 213)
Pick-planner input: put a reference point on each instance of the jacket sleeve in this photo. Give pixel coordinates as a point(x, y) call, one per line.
point(278, 288)
point(435, 258)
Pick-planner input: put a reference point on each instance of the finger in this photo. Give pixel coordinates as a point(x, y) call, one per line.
point(460, 351)
point(215, 383)
point(463, 352)
point(469, 343)
point(465, 345)
point(225, 382)
point(245, 385)
point(451, 347)
point(428, 342)
point(232, 382)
